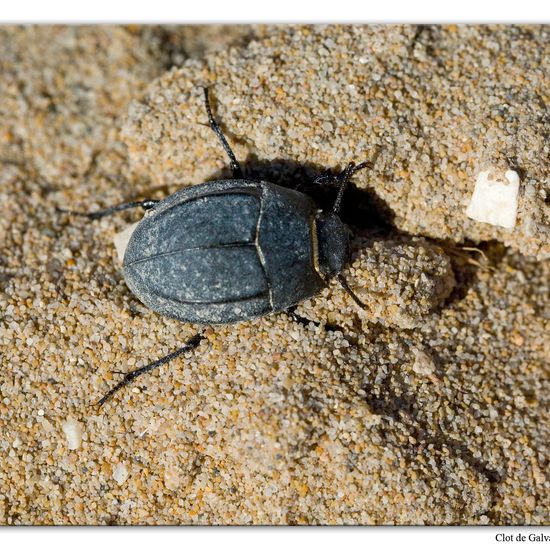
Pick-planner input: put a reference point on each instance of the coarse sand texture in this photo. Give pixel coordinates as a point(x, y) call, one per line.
point(428, 406)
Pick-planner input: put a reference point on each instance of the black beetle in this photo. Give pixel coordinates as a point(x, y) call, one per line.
point(230, 250)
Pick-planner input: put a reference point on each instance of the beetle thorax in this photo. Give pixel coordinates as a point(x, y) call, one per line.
point(332, 244)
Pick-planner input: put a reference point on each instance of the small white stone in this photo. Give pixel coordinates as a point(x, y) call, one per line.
point(121, 240)
point(40, 412)
point(120, 473)
point(495, 198)
point(73, 433)
point(171, 479)
point(423, 363)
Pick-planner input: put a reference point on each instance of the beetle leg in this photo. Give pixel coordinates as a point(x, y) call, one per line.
point(147, 204)
point(192, 343)
point(291, 312)
point(235, 166)
point(347, 288)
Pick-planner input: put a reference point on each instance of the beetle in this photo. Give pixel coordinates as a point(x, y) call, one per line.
point(230, 250)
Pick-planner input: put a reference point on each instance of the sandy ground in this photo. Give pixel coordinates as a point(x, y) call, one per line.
point(429, 406)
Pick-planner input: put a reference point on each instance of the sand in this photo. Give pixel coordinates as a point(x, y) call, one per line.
point(428, 407)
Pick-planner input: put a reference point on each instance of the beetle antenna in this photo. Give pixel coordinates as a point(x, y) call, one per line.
point(344, 177)
point(347, 288)
point(146, 205)
point(192, 343)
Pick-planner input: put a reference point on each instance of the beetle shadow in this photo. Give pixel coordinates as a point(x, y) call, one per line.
point(468, 259)
point(362, 209)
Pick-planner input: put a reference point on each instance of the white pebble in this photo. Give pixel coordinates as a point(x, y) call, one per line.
point(171, 479)
point(423, 363)
point(120, 474)
point(73, 433)
point(495, 198)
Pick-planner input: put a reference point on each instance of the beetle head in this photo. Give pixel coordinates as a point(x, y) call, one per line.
point(332, 243)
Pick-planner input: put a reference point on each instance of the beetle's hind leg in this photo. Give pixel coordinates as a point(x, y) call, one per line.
point(301, 320)
point(235, 166)
point(147, 204)
point(291, 312)
point(192, 343)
